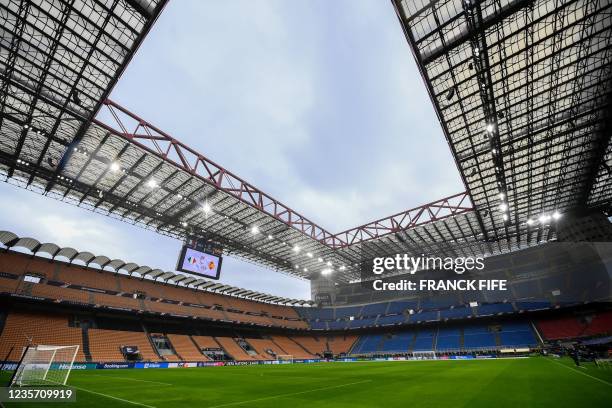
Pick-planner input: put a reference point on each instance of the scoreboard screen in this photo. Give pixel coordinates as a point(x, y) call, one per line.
point(199, 263)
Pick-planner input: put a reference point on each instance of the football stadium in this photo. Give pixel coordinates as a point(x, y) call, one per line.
point(498, 295)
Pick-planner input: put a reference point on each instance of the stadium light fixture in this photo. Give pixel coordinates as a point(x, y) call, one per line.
point(206, 208)
point(505, 217)
point(490, 128)
point(503, 207)
point(184, 224)
point(544, 218)
point(309, 254)
point(320, 259)
point(270, 237)
point(502, 196)
point(556, 215)
point(254, 230)
point(296, 248)
point(152, 183)
point(530, 221)
point(114, 167)
point(305, 269)
point(342, 268)
point(297, 266)
point(326, 271)
point(329, 263)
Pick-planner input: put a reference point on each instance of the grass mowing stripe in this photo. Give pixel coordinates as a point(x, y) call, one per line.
point(580, 372)
point(130, 379)
point(111, 397)
point(229, 404)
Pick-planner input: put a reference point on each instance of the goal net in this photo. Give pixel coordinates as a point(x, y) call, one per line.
point(45, 365)
point(284, 358)
point(424, 355)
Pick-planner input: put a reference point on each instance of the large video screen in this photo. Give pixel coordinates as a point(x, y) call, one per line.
point(199, 263)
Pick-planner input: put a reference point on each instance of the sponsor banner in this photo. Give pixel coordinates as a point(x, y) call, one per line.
point(75, 366)
point(461, 357)
point(211, 364)
point(103, 366)
point(9, 366)
point(151, 365)
point(182, 365)
point(241, 363)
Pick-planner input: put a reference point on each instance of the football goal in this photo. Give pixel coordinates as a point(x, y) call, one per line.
point(424, 355)
point(284, 358)
point(45, 365)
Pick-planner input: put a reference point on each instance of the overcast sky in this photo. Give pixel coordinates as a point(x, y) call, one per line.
point(319, 103)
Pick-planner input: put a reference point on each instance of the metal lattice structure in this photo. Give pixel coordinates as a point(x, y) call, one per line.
point(521, 88)
point(59, 61)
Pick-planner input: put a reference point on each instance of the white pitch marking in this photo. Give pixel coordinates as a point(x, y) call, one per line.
point(111, 397)
point(580, 372)
point(288, 394)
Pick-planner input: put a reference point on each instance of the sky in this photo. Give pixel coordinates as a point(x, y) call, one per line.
point(318, 103)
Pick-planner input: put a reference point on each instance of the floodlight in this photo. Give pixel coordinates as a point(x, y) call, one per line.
point(114, 167)
point(544, 218)
point(503, 207)
point(254, 230)
point(152, 183)
point(556, 215)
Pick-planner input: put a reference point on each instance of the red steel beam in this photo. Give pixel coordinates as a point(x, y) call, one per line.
point(424, 214)
point(153, 140)
point(136, 130)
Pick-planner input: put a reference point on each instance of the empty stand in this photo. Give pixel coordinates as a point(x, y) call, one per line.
point(186, 348)
point(290, 347)
point(22, 328)
point(105, 345)
point(233, 349)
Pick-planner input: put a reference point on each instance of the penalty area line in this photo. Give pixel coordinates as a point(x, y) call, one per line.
point(111, 397)
point(229, 404)
point(583, 373)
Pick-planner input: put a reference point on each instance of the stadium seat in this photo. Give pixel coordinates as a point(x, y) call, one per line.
point(22, 328)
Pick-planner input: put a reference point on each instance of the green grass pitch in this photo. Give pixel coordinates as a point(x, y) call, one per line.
point(533, 382)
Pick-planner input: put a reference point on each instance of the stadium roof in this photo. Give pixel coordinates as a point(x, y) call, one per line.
point(549, 157)
point(522, 89)
point(71, 255)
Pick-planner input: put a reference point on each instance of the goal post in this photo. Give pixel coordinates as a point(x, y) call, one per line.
point(45, 365)
point(424, 355)
point(284, 358)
